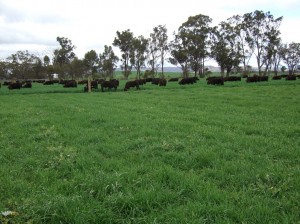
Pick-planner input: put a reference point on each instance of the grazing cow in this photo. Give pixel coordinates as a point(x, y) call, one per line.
point(27, 84)
point(173, 80)
point(115, 81)
point(254, 78)
point(81, 82)
point(49, 82)
point(263, 78)
point(283, 76)
point(149, 79)
point(290, 77)
point(155, 81)
point(276, 77)
point(189, 80)
point(15, 85)
point(232, 79)
point(131, 84)
point(162, 82)
point(70, 84)
point(111, 84)
point(159, 81)
point(215, 81)
point(141, 81)
point(94, 85)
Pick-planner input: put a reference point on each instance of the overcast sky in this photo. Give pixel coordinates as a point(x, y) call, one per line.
point(90, 24)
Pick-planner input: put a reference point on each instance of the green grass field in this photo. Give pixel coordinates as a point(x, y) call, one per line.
point(174, 154)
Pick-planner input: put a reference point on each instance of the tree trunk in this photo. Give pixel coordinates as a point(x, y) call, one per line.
point(228, 70)
point(89, 85)
point(222, 71)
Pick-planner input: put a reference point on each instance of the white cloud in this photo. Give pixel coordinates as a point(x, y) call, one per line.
point(90, 24)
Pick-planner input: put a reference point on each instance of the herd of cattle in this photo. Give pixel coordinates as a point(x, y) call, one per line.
point(114, 83)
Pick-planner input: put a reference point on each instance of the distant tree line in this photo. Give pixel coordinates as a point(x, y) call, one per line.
point(231, 44)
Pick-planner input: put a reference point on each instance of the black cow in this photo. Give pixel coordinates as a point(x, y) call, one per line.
point(162, 82)
point(49, 82)
point(81, 82)
point(94, 85)
point(141, 81)
point(111, 84)
point(149, 79)
point(173, 80)
point(70, 84)
point(232, 78)
point(215, 81)
point(159, 81)
point(189, 80)
point(276, 77)
point(254, 78)
point(131, 84)
point(15, 85)
point(263, 78)
point(27, 84)
point(290, 77)
point(155, 81)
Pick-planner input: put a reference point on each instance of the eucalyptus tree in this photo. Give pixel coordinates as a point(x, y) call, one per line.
point(108, 61)
point(235, 25)
point(277, 57)
point(38, 69)
point(4, 70)
point(291, 56)
point(152, 51)
point(225, 49)
point(272, 56)
point(262, 31)
point(46, 60)
point(161, 39)
point(179, 52)
point(48, 68)
point(197, 32)
point(91, 62)
point(124, 42)
point(138, 53)
point(78, 68)
point(64, 55)
point(21, 64)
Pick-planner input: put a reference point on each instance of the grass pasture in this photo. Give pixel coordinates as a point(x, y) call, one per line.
point(174, 154)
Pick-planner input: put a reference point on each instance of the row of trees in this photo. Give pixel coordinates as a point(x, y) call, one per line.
point(231, 44)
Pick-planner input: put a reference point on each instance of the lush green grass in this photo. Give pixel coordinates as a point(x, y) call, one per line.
point(174, 154)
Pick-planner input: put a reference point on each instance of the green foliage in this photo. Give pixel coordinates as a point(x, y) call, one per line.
point(124, 42)
point(22, 65)
point(225, 48)
point(291, 56)
point(178, 154)
point(138, 53)
point(63, 56)
point(161, 38)
point(262, 35)
point(191, 43)
point(107, 62)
